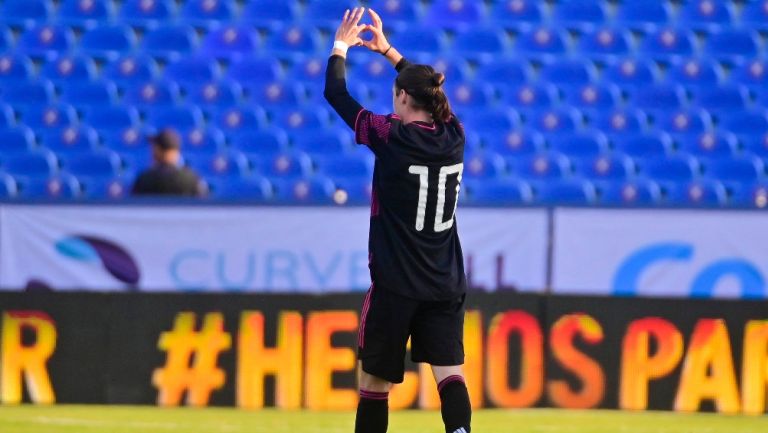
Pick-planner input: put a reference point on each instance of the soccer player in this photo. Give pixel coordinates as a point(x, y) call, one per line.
point(416, 264)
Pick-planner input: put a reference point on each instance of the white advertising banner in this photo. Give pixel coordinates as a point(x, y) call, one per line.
point(668, 253)
point(222, 248)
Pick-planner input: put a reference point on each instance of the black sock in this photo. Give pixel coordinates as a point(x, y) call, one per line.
point(455, 406)
point(372, 412)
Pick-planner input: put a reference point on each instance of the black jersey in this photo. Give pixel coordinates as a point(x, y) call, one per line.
point(413, 242)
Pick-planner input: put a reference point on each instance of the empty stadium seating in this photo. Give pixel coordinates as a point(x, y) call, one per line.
point(594, 102)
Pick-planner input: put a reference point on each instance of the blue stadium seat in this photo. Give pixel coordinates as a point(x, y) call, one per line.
point(332, 141)
point(312, 70)
point(113, 118)
point(569, 72)
point(153, 93)
point(302, 118)
point(548, 165)
point(69, 68)
point(56, 187)
point(108, 41)
point(583, 144)
point(15, 68)
point(513, 13)
point(643, 15)
point(6, 39)
point(616, 122)
point(26, 93)
point(46, 39)
point(486, 165)
point(594, 97)
point(207, 13)
point(697, 193)
point(26, 12)
point(170, 41)
point(9, 188)
point(455, 69)
point(733, 45)
point(89, 93)
point(614, 167)
point(753, 73)
point(251, 189)
point(517, 142)
point(71, 140)
point(504, 71)
point(224, 164)
point(269, 13)
point(696, 72)
point(371, 69)
point(497, 192)
point(707, 14)
point(684, 121)
point(681, 168)
point(498, 120)
point(455, 13)
point(629, 73)
point(397, 13)
point(265, 141)
point(310, 190)
point(257, 70)
point(292, 41)
point(736, 170)
point(16, 139)
point(127, 140)
point(105, 187)
point(605, 43)
point(756, 144)
point(580, 14)
point(557, 120)
point(192, 70)
point(206, 141)
point(746, 122)
point(469, 95)
point(420, 41)
point(39, 163)
point(178, 117)
point(7, 116)
point(41, 117)
point(750, 195)
point(241, 118)
point(732, 97)
point(277, 93)
point(358, 165)
point(755, 15)
point(644, 145)
point(230, 41)
point(659, 97)
point(709, 144)
point(565, 192)
point(218, 93)
point(131, 69)
point(102, 163)
point(352, 190)
point(529, 96)
point(284, 165)
point(543, 42)
point(668, 44)
point(326, 13)
point(639, 192)
point(83, 13)
point(147, 13)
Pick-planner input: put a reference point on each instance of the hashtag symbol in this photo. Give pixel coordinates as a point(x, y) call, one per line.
point(184, 346)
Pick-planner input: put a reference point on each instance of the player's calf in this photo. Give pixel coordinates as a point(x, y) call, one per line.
point(455, 406)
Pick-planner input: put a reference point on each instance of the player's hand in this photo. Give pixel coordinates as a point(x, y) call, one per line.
point(379, 42)
point(349, 30)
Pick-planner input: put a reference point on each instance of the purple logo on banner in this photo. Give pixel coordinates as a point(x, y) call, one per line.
point(115, 259)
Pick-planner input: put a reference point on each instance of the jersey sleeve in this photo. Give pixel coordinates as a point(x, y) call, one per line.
point(372, 129)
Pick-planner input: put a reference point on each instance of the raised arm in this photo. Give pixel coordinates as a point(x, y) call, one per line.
point(336, 93)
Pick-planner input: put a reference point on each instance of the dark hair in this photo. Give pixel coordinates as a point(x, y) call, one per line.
point(426, 88)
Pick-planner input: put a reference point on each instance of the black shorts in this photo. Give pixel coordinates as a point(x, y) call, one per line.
point(387, 320)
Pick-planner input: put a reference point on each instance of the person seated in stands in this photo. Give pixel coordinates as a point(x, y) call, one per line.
point(166, 176)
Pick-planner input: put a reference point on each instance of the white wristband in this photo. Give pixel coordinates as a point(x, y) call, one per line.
point(340, 45)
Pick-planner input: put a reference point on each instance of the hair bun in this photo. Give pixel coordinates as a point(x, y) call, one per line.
point(438, 78)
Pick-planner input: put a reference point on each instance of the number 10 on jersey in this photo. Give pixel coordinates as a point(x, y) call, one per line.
point(421, 210)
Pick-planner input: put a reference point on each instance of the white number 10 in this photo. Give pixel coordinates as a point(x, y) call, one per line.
point(421, 209)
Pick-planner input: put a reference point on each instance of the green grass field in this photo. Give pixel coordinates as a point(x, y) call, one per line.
point(120, 419)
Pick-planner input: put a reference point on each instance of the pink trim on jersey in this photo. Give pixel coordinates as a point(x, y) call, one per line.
point(372, 395)
point(431, 128)
point(364, 317)
point(357, 118)
point(449, 379)
point(372, 129)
